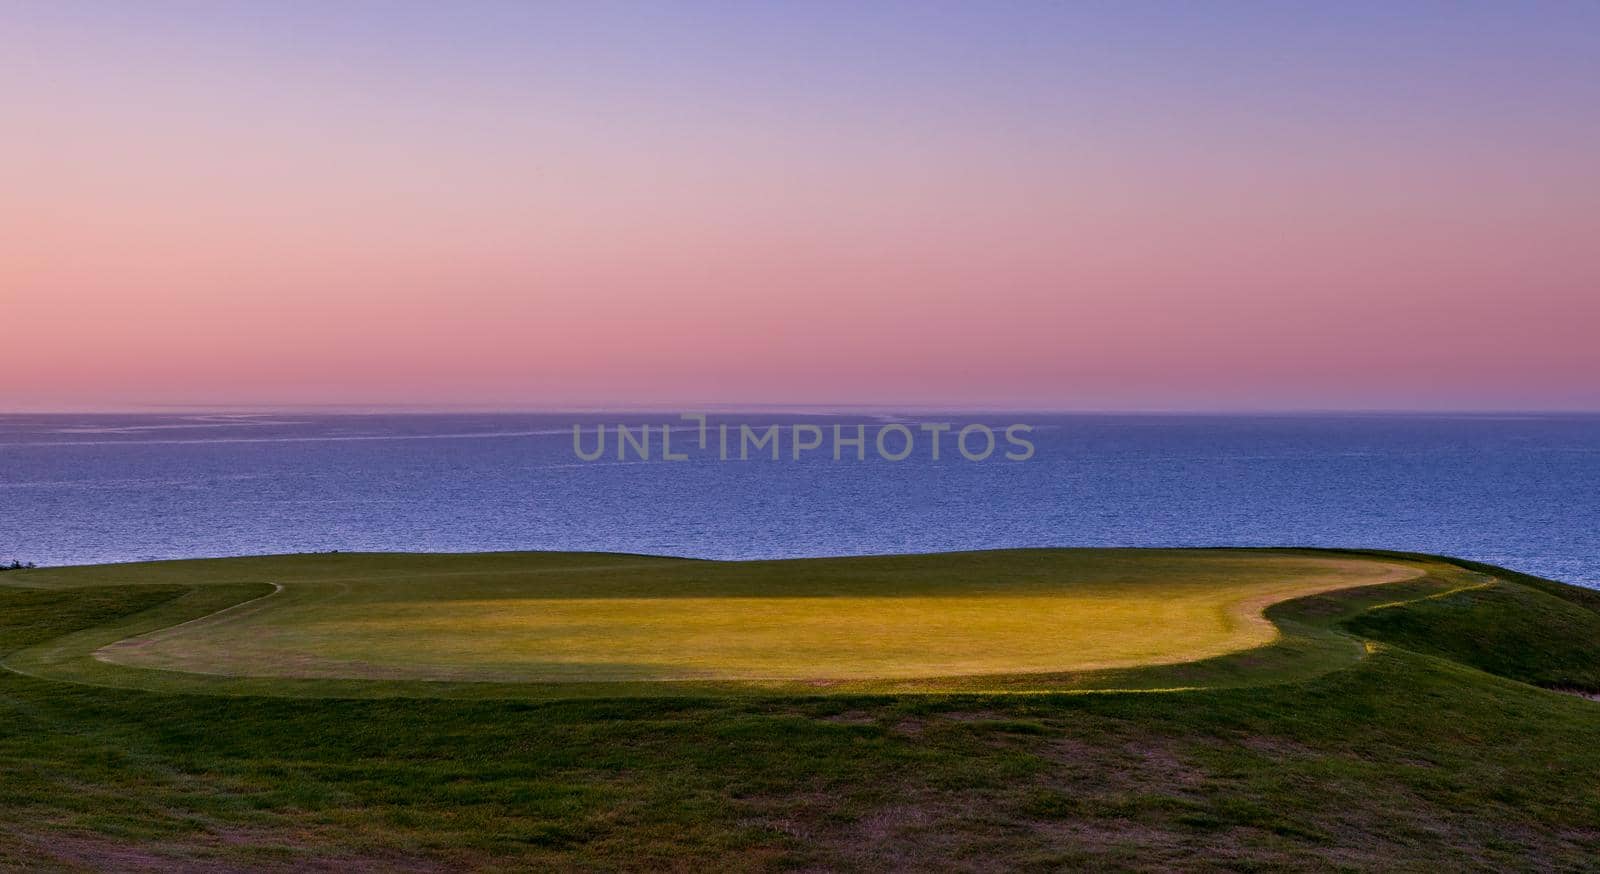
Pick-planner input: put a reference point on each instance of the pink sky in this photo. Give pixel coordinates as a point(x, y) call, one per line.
point(215, 209)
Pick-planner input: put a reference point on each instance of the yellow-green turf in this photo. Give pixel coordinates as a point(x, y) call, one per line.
point(583, 624)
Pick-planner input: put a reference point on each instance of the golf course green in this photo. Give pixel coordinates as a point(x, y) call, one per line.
point(1004, 710)
point(554, 618)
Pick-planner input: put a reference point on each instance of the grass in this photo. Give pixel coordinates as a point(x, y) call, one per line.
point(968, 620)
point(1425, 749)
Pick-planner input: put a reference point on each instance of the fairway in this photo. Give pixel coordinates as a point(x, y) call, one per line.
point(557, 618)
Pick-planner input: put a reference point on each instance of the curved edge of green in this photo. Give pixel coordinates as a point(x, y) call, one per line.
point(1311, 643)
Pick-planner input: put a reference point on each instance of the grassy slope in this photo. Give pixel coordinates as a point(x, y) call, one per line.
point(1403, 760)
point(1529, 629)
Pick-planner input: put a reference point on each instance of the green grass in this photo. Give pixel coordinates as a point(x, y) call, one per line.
point(563, 624)
point(1366, 736)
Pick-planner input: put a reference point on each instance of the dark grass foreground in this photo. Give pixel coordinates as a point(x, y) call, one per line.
point(1435, 753)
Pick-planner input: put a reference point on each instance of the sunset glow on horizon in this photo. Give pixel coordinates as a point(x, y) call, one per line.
point(1051, 206)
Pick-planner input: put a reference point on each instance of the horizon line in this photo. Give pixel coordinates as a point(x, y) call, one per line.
point(745, 408)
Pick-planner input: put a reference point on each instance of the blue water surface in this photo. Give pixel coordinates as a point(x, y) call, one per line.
point(1514, 490)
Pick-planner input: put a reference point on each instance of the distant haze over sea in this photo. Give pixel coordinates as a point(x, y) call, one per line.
point(1512, 489)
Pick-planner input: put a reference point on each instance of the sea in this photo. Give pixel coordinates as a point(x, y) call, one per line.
point(1521, 491)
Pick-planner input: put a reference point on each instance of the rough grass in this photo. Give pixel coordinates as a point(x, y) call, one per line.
point(1510, 630)
point(1402, 760)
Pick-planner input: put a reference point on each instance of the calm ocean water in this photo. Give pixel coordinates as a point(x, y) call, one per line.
point(1519, 491)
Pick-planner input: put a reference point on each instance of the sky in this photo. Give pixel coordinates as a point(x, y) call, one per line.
point(1065, 206)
